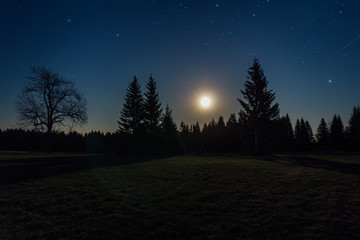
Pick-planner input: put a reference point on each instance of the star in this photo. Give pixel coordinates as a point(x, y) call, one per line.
point(68, 20)
point(330, 81)
point(217, 5)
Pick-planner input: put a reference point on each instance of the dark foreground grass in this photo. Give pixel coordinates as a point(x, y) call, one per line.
point(298, 196)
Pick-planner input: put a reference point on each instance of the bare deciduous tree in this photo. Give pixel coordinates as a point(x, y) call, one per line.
point(49, 101)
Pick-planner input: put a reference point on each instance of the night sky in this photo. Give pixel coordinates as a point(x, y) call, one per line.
point(309, 50)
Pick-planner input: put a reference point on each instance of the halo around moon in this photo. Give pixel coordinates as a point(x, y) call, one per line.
point(205, 102)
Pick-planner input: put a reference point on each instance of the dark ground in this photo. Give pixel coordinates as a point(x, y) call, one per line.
point(282, 196)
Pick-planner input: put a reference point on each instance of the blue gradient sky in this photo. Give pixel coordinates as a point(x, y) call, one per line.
point(309, 50)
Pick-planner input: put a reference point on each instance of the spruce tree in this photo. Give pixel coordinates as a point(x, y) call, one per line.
point(152, 106)
point(196, 129)
point(322, 134)
point(132, 115)
point(309, 133)
point(353, 129)
point(337, 133)
point(221, 123)
point(168, 124)
point(258, 109)
point(303, 134)
point(289, 129)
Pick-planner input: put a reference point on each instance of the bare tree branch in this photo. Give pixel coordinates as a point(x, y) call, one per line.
point(49, 101)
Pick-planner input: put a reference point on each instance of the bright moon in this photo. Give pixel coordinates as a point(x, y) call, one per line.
point(205, 102)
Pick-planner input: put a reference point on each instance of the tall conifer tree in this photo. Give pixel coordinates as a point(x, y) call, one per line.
point(152, 106)
point(132, 115)
point(168, 124)
point(322, 134)
point(289, 129)
point(337, 133)
point(309, 132)
point(303, 134)
point(257, 108)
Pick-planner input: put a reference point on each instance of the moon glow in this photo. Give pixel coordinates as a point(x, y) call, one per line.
point(205, 102)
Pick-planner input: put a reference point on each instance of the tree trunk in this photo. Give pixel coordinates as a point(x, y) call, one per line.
point(48, 139)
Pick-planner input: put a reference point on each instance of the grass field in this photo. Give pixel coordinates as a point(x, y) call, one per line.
point(283, 196)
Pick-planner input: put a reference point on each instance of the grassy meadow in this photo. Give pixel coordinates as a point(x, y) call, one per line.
point(282, 196)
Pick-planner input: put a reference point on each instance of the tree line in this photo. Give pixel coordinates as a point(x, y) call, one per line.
point(145, 127)
point(216, 136)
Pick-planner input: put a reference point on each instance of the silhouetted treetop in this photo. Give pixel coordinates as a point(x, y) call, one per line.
point(288, 128)
point(196, 128)
point(322, 133)
point(152, 106)
point(232, 121)
point(132, 114)
point(337, 133)
point(221, 123)
point(303, 134)
point(169, 126)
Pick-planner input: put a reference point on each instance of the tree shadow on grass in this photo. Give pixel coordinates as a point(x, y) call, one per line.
point(312, 162)
point(18, 170)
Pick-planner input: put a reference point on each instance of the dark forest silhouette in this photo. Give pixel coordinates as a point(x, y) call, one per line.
point(145, 127)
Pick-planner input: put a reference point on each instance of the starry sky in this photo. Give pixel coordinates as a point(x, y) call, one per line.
point(309, 50)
